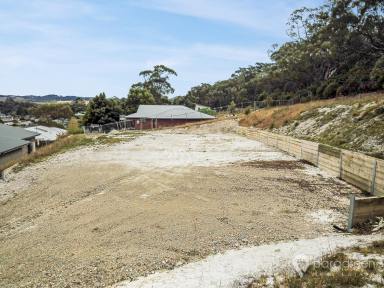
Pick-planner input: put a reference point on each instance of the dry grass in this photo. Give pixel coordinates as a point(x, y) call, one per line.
point(61, 145)
point(334, 270)
point(277, 117)
point(377, 247)
point(64, 144)
point(219, 117)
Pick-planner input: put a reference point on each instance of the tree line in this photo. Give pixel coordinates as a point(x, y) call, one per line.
point(335, 49)
point(154, 89)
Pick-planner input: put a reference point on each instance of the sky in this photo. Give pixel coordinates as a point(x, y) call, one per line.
point(84, 47)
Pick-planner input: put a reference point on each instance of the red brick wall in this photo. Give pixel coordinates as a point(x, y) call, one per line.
point(151, 123)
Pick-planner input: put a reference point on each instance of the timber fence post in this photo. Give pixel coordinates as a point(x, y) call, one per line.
point(318, 155)
point(289, 143)
point(341, 165)
point(351, 213)
point(373, 177)
point(301, 150)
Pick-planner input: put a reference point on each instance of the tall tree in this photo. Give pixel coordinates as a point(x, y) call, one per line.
point(335, 49)
point(101, 110)
point(157, 82)
point(137, 96)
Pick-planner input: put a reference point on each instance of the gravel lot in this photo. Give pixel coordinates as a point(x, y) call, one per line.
point(100, 215)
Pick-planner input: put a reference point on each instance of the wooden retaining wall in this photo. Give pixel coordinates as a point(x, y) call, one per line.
point(362, 171)
point(363, 209)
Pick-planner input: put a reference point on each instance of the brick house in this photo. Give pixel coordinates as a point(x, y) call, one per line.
point(158, 116)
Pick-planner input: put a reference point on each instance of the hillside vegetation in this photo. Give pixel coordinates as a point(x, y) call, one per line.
point(354, 123)
point(334, 49)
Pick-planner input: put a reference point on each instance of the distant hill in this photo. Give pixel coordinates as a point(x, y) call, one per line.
point(46, 98)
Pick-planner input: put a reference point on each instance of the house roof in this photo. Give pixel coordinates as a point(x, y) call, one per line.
point(47, 133)
point(8, 143)
point(168, 112)
point(16, 132)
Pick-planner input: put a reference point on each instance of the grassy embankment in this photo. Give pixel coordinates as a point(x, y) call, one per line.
point(354, 123)
point(69, 142)
point(357, 267)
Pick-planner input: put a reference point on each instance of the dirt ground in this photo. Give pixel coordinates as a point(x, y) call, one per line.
point(97, 216)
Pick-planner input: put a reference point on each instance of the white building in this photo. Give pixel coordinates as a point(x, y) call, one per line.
point(47, 134)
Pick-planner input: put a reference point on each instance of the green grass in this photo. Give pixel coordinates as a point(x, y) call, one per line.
point(108, 140)
point(130, 133)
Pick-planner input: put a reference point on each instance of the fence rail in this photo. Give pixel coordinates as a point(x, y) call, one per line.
point(120, 125)
point(360, 170)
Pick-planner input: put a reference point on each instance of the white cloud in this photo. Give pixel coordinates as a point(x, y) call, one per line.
point(113, 67)
point(44, 50)
point(257, 15)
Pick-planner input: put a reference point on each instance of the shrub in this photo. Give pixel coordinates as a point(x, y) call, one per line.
point(50, 123)
point(208, 111)
point(330, 90)
point(269, 101)
point(377, 74)
point(320, 90)
point(232, 108)
point(73, 126)
point(247, 111)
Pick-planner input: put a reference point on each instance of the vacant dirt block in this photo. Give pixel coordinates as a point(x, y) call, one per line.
point(97, 216)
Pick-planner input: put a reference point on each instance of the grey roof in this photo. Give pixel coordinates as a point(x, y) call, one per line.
point(16, 132)
point(12, 138)
point(47, 133)
point(168, 112)
point(8, 143)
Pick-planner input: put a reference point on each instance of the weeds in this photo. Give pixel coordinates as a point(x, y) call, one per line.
point(334, 270)
point(377, 247)
point(353, 123)
point(108, 140)
point(286, 114)
point(61, 145)
point(64, 144)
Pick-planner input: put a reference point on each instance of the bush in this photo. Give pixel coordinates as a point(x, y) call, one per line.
point(269, 101)
point(247, 111)
point(320, 90)
point(232, 108)
point(341, 91)
point(74, 127)
point(208, 111)
point(330, 90)
point(49, 123)
point(377, 74)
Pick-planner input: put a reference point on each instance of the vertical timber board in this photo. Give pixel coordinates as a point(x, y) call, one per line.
point(309, 151)
point(379, 185)
point(317, 157)
point(373, 179)
point(351, 212)
point(341, 165)
point(357, 170)
point(354, 168)
point(289, 144)
point(367, 208)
